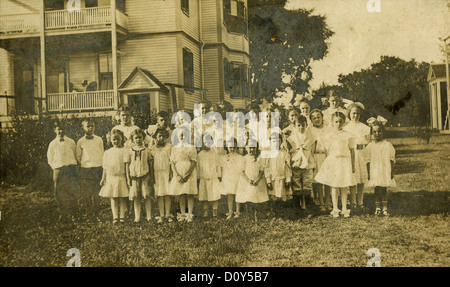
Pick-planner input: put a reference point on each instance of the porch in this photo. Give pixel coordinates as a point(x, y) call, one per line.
point(81, 101)
point(62, 21)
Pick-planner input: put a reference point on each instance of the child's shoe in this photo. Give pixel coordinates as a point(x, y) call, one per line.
point(345, 213)
point(115, 221)
point(181, 217)
point(335, 213)
point(322, 208)
point(385, 213)
point(378, 212)
point(237, 214)
point(169, 218)
point(189, 217)
point(229, 215)
point(160, 220)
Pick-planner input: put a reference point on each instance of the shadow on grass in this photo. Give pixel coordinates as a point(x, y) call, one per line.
point(415, 203)
point(412, 152)
point(407, 167)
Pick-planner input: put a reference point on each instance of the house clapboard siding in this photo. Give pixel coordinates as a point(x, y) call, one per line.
point(153, 16)
point(14, 7)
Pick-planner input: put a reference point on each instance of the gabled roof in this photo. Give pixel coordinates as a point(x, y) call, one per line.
point(141, 79)
point(436, 71)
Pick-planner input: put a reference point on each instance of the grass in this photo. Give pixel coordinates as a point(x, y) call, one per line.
point(416, 234)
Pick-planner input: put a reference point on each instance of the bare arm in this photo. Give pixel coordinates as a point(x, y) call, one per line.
point(352, 155)
point(102, 182)
point(392, 169)
point(127, 173)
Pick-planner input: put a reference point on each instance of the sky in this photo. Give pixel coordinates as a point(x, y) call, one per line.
point(408, 29)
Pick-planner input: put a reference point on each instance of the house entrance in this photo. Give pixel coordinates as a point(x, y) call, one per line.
point(140, 109)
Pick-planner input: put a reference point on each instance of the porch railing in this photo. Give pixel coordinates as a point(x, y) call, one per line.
point(19, 23)
point(84, 17)
point(7, 105)
point(79, 101)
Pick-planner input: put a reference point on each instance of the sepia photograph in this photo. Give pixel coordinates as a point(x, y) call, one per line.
point(224, 133)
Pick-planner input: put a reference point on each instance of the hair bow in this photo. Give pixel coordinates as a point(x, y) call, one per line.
point(299, 98)
point(349, 103)
point(379, 119)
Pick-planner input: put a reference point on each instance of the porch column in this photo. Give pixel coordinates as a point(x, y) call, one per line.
point(114, 53)
point(43, 96)
point(434, 111)
point(438, 104)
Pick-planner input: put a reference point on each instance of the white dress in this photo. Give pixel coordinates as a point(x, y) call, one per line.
point(380, 156)
point(161, 166)
point(320, 153)
point(361, 133)
point(231, 172)
point(181, 157)
point(278, 172)
point(336, 170)
point(247, 192)
point(208, 166)
point(114, 165)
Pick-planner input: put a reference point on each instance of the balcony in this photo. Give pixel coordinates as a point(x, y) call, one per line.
point(87, 19)
point(80, 101)
point(19, 24)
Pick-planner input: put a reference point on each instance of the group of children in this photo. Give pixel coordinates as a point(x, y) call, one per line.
point(329, 151)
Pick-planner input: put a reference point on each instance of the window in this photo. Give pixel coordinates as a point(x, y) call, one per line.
point(91, 3)
point(236, 79)
point(188, 70)
point(185, 6)
point(235, 16)
point(105, 71)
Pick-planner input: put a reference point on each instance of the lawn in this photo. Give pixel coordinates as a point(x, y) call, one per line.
point(416, 234)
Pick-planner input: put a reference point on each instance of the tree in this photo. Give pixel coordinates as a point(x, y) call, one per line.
point(283, 43)
point(393, 88)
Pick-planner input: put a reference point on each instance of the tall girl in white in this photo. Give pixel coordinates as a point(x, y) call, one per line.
point(338, 168)
point(361, 133)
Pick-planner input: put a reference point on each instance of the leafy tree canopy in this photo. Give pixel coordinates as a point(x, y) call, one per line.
point(393, 88)
point(284, 42)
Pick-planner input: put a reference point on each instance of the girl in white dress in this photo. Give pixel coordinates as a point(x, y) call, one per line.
point(252, 184)
point(320, 132)
point(231, 167)
point(278, 171)
point(114, 177)
point(184, 182)
point(337, 169)
point(161, 152)
point(209, 171)
point(361, 134)
point(138, 167)
point(380, 158)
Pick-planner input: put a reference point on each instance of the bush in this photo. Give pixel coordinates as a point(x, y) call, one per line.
point(23, 154)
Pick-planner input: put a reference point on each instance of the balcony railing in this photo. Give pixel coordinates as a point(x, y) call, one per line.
point(85, 17)
point(19, 23)
point(79, 101)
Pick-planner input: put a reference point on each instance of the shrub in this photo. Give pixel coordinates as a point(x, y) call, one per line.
point(23, 154)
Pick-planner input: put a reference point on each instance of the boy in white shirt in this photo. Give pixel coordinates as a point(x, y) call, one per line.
point(61, 158)
point(89, 153)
